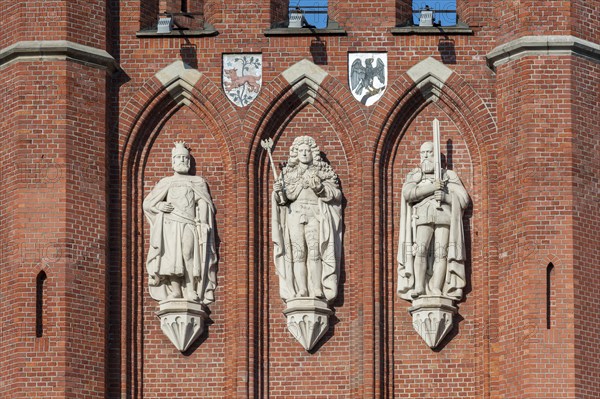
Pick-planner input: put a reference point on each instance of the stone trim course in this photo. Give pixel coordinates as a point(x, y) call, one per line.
point(58, 49)
point(542, 45)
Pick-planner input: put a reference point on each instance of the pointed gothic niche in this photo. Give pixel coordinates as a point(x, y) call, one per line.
point(183, 312)
point(174, 114)
point(431, 238)
point(308, 310)
point(308, 281)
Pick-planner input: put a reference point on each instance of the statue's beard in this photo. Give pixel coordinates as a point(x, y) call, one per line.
point(181, 168)
point(427, 166)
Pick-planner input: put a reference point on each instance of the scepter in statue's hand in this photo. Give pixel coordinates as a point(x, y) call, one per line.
point(267, 144)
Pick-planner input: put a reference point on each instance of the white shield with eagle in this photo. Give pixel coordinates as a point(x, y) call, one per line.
point(367, 76)
point(242, 77)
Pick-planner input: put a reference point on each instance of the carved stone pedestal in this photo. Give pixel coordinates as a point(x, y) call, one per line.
point(432, 318)
point(182, 321)
point(307, 320)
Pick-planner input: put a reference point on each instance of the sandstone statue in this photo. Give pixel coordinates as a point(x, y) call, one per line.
point(182, 259)
point(431, 248)
point(307, 225)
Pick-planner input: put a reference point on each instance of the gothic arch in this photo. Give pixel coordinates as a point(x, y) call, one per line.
point(299, 86)
point(427, 82)
point(175, 86)
point(143, 117)
point(432, 83)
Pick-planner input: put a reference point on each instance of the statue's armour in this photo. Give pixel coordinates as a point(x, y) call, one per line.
point(306, 206)
point(181, 196)
point(427, 211)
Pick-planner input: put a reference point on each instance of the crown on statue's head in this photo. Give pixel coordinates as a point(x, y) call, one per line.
point(180, 149)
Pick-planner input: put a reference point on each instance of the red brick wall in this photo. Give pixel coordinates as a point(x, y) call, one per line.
point(535, 210)
point(381, 359)
point(79, 21)
point(279, 10)
point(206, 356)
point(517, 18)
point(523, 140)
point(403, 12)
point(53, 200)
point(586, 251)
point(57, 224)
point(11, 10)
point(361, 15)
point(584, 17)
point(480, 15)
point(10, 249)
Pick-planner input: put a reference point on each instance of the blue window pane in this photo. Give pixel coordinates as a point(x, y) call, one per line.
point(444, 11)
point(315, 11)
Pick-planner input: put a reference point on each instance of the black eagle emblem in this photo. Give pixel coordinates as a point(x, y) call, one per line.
point(362, 76)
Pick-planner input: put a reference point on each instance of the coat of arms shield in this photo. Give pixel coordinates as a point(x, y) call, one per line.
point(367, 75)
point(242, 77)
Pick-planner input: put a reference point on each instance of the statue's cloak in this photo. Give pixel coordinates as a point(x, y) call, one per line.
point(205, 254)
point(330, 243)
point(455, 271)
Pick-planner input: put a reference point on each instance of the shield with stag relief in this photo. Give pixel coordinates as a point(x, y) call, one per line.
point(242, 77)
point(367, 76)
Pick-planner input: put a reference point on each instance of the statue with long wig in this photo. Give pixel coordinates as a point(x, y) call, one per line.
point(307, 224)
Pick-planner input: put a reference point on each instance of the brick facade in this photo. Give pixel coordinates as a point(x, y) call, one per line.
point(91, 109)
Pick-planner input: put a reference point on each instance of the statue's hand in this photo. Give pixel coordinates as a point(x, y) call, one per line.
point(439, 185)
point(165, 207)
point(153, 281)
point(440, 196)
point(278, 186)
point(278, 190)
point(315, 184)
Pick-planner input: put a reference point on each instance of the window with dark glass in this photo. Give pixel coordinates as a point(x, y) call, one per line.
point(186, 15)
point(438, 13)
point(444, 12)
point(299, 14)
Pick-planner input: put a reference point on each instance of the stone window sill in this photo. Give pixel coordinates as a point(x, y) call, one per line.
point(332, 29)
point(208, 30)
point(304, 32)
point(460, 29)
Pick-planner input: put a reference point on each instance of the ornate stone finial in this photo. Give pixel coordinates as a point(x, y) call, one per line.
point(308, 320)
point(432, 318)
point(182, 321)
